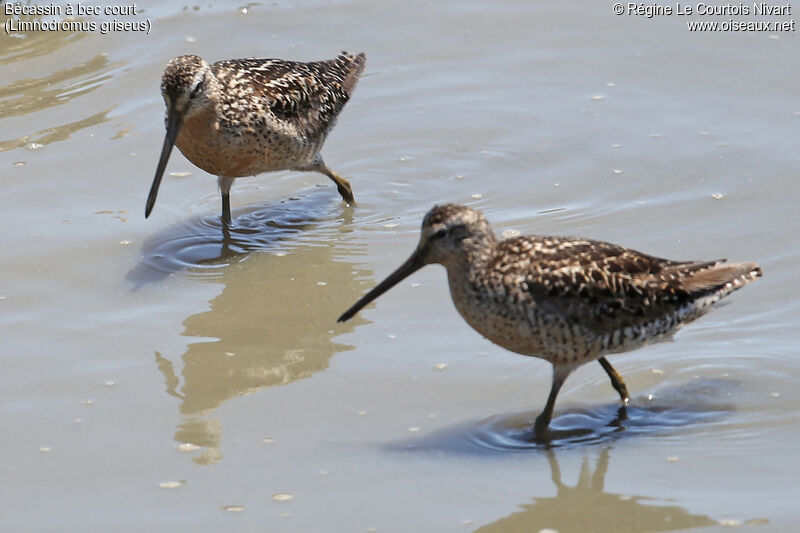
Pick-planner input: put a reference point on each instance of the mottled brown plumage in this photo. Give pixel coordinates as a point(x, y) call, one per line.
point(564, 299)
point(241, 117)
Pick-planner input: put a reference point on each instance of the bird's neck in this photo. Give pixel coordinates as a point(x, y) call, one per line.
point(472, 259)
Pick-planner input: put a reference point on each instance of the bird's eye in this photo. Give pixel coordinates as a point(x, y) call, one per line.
point(197, 89)
point(440, 234)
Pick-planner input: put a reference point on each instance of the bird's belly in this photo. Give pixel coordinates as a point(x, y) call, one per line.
point(531, 332)
point(527, 330)
point(515, 326)
point(504, 329)
point(234, 154)
point(522, 327)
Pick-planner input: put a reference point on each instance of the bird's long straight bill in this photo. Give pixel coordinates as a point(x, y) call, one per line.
point(411, 265)
point(174, 122)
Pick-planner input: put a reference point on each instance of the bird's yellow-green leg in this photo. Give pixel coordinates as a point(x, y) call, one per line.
point(318, 165)
point(225, 192)
point(543, 420)
point(616, 380)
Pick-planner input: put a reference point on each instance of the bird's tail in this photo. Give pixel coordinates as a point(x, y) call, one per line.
point(353, 66)
point(721, 277)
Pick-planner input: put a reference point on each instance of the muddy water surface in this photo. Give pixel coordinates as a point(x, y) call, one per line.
point(158, 373)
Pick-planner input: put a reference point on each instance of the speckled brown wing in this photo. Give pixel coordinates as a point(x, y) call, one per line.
point(606, 287)
point(307, 96)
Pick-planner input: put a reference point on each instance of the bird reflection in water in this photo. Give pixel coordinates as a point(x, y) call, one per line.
point(270, 326)
point(588, 507)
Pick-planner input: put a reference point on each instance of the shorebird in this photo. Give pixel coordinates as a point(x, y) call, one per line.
point(567, 300)
point(242, 117)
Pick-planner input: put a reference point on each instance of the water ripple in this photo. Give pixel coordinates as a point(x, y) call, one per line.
point(203, 246)
point(677, 409)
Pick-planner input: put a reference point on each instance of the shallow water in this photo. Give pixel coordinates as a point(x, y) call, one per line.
point(158, 373)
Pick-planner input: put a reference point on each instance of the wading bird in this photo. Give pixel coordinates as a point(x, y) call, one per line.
point(242, 117)
point(566, 300)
